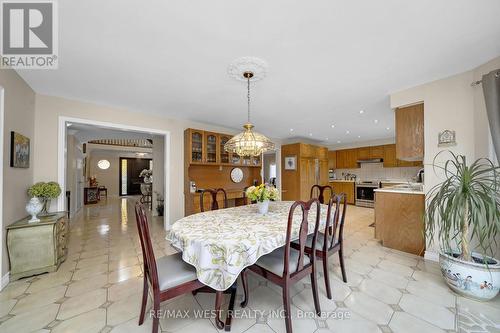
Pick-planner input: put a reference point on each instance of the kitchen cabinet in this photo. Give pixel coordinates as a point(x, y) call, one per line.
point(390, 156)
point(410, 133)
point(398, 221)
point(332, 159)
point(390, 160)
point(347, 159)
point(347, 187)
point(311, 168)
point(377, 152)
point(364, 153)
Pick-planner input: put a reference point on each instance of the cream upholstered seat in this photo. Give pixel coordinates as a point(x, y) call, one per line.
point(173, 271)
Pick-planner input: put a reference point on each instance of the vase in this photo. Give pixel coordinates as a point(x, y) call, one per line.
point(474, 280)
point(45, 207)
point(33, 207)
point(263, 207)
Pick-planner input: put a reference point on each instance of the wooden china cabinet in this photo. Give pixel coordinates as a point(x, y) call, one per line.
point(208, 165)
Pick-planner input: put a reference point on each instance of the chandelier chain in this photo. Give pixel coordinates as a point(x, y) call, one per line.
point(248, 98)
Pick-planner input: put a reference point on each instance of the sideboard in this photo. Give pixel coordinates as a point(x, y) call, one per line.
point(37, 247)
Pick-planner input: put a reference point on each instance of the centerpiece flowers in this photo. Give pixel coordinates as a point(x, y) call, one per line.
point(262, 194)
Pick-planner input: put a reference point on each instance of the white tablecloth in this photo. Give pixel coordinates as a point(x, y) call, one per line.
point(220, 243)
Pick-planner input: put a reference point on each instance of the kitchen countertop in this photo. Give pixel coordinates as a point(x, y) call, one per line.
point(395, 189)
point(341, 181)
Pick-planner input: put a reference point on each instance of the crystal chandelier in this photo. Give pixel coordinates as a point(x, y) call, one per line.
point(248, 142)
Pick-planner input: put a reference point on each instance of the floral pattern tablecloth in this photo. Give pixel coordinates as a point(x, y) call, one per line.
point(220, 243)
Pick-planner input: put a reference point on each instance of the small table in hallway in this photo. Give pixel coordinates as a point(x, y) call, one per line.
point(221, 243)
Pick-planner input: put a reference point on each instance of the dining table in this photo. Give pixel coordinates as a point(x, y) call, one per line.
point(221, 243)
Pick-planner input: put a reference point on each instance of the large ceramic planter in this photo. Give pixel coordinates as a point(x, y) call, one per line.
point(472, 280)
point(263, 207)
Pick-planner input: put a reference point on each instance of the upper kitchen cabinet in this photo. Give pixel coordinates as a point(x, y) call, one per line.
point(332, 159)
point(410, 133)
point(347, 159)
point(377, 152)
point(364, 153)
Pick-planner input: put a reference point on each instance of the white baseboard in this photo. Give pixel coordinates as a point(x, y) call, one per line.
point(432, 256)
point(5, 281)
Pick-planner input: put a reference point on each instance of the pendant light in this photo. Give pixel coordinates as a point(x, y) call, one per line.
point(248, 143)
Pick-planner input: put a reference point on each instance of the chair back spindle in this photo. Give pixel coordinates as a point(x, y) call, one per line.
point(336, 205)
point(321, 192)
point(303, 232)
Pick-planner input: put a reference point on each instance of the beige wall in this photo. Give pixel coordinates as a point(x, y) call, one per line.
point(451, 103)
point(19, 116)
point(49, 109)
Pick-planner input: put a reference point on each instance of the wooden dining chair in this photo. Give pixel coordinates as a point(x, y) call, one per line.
point(321, 190)
point(331, 241)
point(213, 194)
point(286, 266)
point(168, 276)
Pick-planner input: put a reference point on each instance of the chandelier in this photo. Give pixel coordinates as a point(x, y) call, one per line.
point(248, 142)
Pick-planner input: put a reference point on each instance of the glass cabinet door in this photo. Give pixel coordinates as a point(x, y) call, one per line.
point(256, 160)
point(247, 160)
point(211, 147)
point(235, 158)
point(197, 147)
point(224, 155)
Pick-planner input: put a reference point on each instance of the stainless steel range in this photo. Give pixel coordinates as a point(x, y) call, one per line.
point(365, 195)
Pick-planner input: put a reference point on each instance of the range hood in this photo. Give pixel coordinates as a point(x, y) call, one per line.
point(371, 160)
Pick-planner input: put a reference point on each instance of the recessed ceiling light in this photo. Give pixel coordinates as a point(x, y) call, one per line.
point(310, 134)
point(68, 124)
point(338, 141)
point(333, 126)
point(347, 132)
point(375, 121)
point(361, 111)
point(326, 139)
point(291, 129)
point(388, 128)
point(359, 136)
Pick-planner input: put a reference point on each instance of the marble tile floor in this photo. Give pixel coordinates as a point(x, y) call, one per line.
point(98, 288)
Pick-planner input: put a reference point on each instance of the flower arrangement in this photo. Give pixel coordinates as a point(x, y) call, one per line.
point(44, 190)
point(146, 173)
point(262, 193)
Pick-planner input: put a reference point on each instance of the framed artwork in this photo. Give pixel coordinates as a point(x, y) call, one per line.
point(291, 162)
point(19, 150)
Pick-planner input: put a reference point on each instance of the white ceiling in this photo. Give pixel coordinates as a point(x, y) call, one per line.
point(328, 59)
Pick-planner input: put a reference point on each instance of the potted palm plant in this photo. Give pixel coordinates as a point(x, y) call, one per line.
point(464, 213)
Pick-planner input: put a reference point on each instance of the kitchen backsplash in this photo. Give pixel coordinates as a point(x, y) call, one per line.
point(376, 171)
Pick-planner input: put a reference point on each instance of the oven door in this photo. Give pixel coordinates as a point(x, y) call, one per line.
point(365, 195)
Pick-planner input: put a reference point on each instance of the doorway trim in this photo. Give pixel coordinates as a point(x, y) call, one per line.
point(61, 155)
point(4, 280)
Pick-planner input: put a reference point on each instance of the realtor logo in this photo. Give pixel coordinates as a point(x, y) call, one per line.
point(29, 34)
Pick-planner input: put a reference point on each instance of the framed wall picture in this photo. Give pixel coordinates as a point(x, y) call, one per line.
point(291, 162)
point(19, 150)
